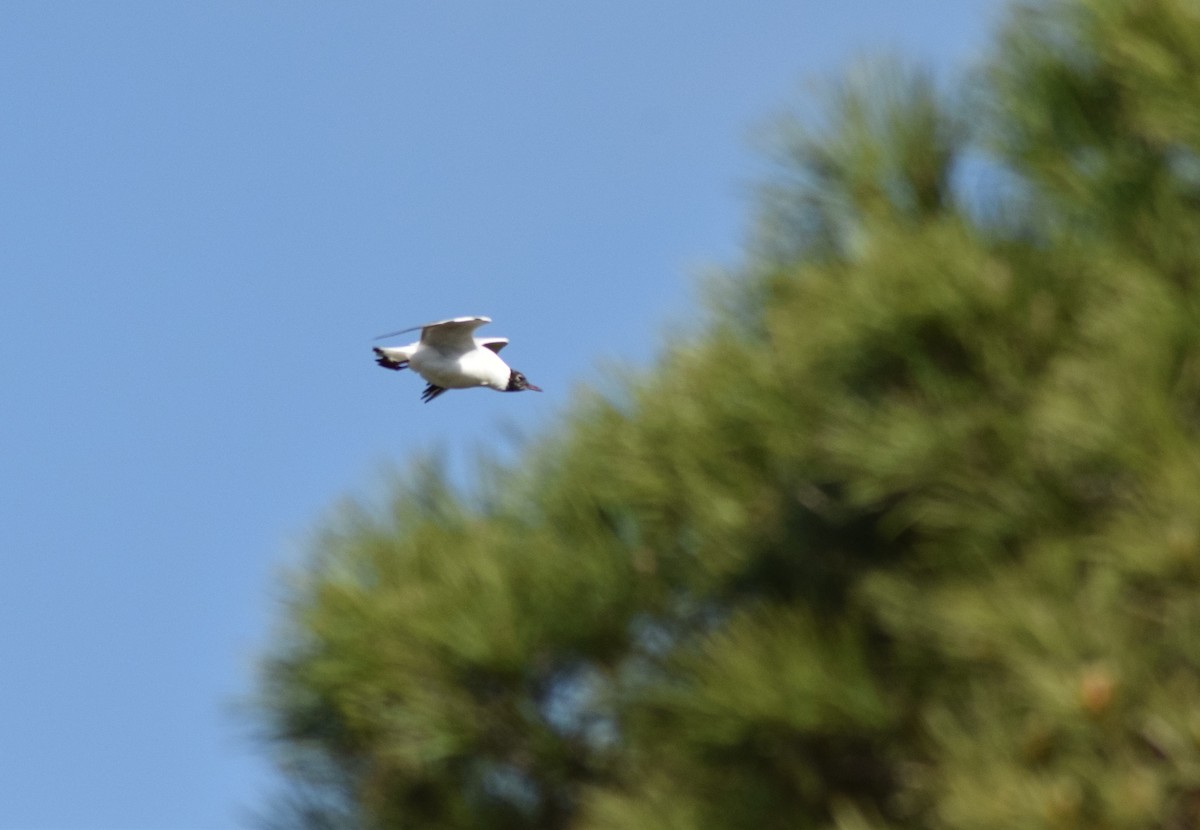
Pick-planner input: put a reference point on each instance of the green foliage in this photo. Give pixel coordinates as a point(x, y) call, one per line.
point(907, 536)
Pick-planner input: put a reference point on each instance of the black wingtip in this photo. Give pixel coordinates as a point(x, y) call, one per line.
point(386, 362)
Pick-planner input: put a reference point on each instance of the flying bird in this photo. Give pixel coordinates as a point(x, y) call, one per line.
point(450, 356)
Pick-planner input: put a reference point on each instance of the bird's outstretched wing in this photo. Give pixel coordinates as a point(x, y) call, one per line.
point(493, 343)
point(453, 335)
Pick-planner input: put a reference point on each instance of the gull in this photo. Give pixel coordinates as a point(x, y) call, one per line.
point(449, 356)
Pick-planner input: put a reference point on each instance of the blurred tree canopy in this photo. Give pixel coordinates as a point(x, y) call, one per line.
point(907, 535)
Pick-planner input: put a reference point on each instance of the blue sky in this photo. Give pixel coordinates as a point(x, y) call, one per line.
point(206, 212)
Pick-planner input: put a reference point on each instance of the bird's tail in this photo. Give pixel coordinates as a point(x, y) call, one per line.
point(395, 358)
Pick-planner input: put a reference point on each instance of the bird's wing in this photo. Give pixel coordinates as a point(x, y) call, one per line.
point(493, 343)
point(446, 335)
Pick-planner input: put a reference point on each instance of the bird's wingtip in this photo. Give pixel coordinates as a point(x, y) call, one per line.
point(480, 320)
point(382, 359)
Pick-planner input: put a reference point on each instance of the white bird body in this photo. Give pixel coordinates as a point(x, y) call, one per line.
point(454, 370)
point(449, 356)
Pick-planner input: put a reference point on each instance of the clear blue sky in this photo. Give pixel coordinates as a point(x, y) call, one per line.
point(206, 212)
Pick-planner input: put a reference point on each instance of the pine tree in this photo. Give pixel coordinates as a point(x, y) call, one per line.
point(907, 536)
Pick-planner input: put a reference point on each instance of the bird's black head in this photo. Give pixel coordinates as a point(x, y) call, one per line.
point(517, 383)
